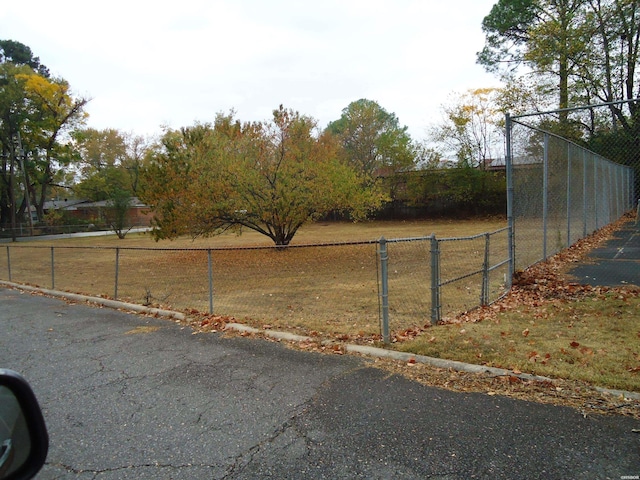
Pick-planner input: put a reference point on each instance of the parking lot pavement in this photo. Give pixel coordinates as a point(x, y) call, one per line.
point(127, 396)
point(616, 263)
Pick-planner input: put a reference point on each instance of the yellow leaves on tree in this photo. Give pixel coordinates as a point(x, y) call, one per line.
point(53, 98)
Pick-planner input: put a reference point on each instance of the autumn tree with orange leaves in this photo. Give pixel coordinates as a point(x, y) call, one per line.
point(271, 177)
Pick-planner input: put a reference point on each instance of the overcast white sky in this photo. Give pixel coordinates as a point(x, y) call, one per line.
point(152, 63)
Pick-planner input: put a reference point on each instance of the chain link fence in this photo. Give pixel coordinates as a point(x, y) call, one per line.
point(560, 191)
point(361, 288)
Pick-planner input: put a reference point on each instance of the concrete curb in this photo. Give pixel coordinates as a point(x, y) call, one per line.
point(291, 337)
point(105, 302)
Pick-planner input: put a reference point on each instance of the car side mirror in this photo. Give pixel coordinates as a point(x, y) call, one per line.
point(24, 441)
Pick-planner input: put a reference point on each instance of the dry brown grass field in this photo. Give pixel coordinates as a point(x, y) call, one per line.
point(324, 289)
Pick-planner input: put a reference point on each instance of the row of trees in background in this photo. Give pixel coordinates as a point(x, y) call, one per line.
point(276, 174)
point(47, 153)
point(271, 176)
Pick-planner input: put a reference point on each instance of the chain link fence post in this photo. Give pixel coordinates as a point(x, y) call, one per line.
point(210, 269)
point(115, 294)
point(384, 286)
point(8, 263)
point(569, 193)
point(510, 214)
point(53, 271)
point(545, 195)
point(436, 307)
point(384, 280)
point(484, 295)
point(585, 204)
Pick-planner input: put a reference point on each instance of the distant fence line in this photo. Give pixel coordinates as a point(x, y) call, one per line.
point(25, 231)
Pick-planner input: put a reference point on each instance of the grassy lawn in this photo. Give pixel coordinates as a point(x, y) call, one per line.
point(595, 339)
point(310, 234)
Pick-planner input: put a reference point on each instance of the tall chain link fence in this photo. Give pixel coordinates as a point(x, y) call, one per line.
point(560, 191)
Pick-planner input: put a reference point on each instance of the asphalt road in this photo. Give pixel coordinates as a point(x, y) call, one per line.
point(127, 396)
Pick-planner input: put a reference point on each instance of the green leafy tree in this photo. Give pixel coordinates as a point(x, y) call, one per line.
point(372, 139)
point(109, 167)
point(20, 54)
point(108, 158)
point(548, 37)
point(36, 114)
point(102, 153)
point(99, 149)
point(118, 210)
point(55, 112)
point(592, 48)
point(271, 177)
point(611, 70)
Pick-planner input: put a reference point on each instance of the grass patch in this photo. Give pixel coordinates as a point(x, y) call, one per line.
point(595, 339)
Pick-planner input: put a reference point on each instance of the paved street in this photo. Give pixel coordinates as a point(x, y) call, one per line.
point(127, 396)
